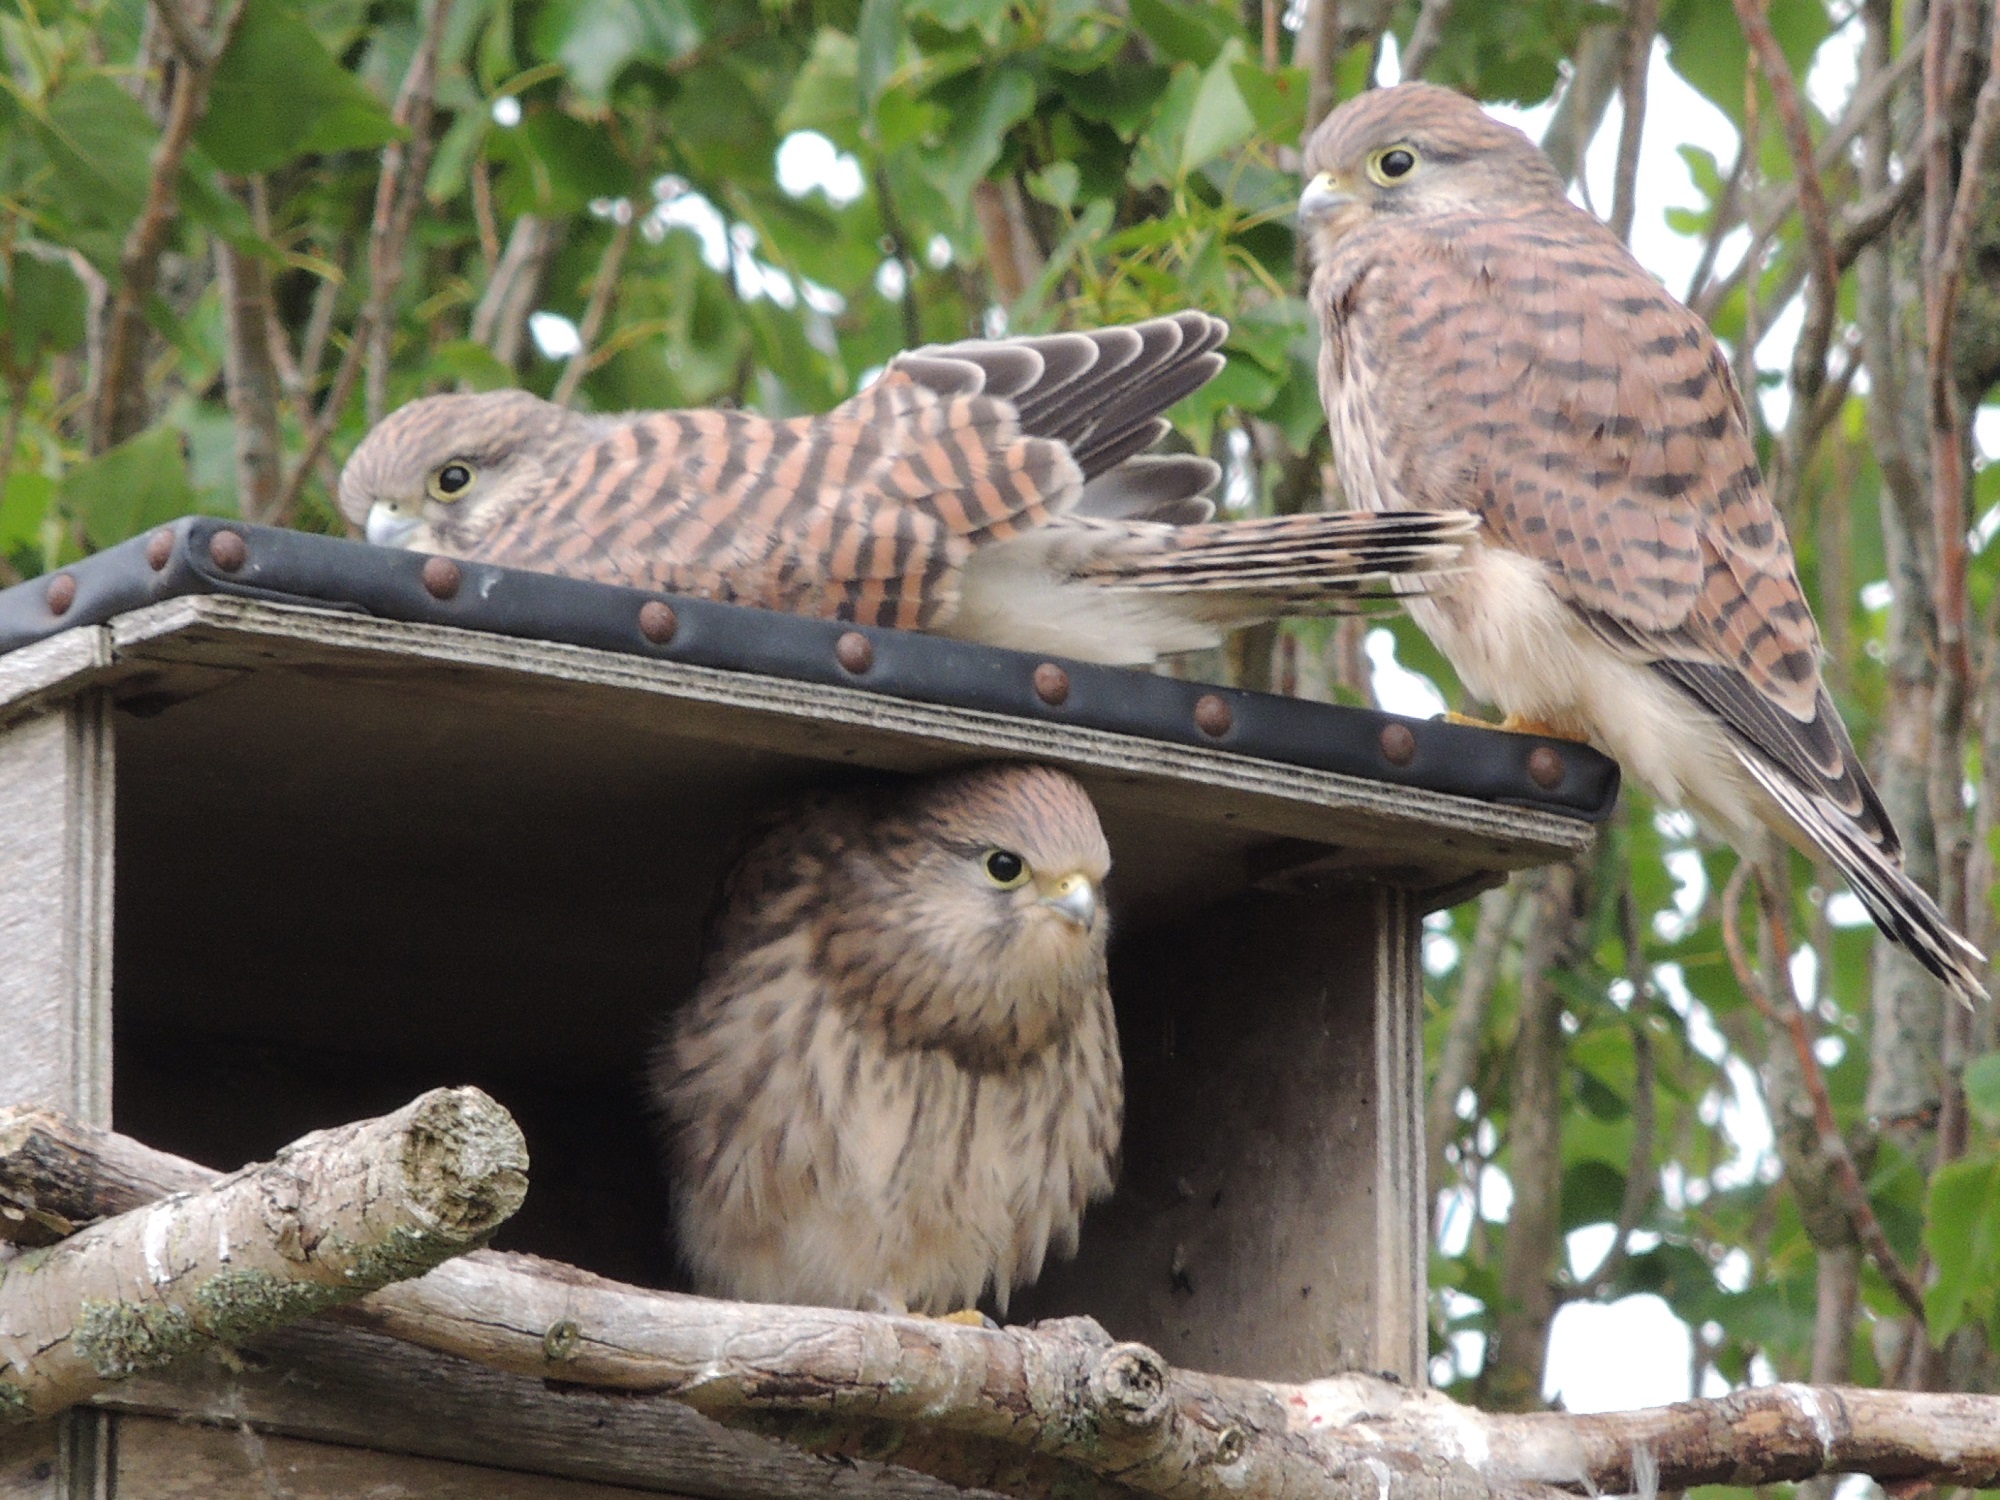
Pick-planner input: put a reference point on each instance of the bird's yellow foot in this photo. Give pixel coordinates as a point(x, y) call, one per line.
point(1518, 724)
point(971, 1317)
point(1522, 724)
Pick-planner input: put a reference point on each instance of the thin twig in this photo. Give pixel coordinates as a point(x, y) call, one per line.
point(606, 282)
point(184, 32)
point(482, 213)
point(251, 373)
point(1726, 216)
point(1460, 1055)
point(1641, 1177)
point(1823, 282)
point(1425, 37)
point(1273, 30)
point(1832, 1144)
point(120, 410)
point(1642, 19)
point(1944, 282)
point(397, 191)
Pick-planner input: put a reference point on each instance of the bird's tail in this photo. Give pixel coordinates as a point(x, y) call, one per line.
point(1319, 563)
point(1900, 907)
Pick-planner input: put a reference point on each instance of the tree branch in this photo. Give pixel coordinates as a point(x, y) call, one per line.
point(1425, 37)
point(1823, 280)
point(1063, 1393)
point(121, 409)
point(250, 371)
point(1460, 1056)
point(396, 193)
point(334, 1216)
point(601, 288)
point(1788, 1016)
point(1642, 19)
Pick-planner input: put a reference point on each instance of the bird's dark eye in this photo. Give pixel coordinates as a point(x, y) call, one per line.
point(1004, 868)
point(451, 481)
point(1396, 162)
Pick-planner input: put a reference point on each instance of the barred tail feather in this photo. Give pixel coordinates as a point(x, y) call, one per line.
point(1282, 564)
point(1900, 907)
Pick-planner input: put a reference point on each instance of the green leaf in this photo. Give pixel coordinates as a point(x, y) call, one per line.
point(1982, 1088)
point(1277, 100)
point(1057, 185)
point(1705, 44)
point(1218, 120)
point(823, 92)
point(1189, 32)
point(279, 94)
point(979, 126)
point(988, 17)
point(556, 164)
point(97, 139)
point(878, 38)
point(1123, 97)
point(596, 39)
point(43, 308)
point(1592, 1193)
point(137, 484)
point(22, 507)
point(1962, 1232)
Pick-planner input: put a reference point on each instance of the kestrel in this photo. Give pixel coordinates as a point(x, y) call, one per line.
point(898, 1083)
point(1486, 343)
point(992, 490)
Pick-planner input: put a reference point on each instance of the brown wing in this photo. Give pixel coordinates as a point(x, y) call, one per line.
point(869, 512)
point(1528, 368)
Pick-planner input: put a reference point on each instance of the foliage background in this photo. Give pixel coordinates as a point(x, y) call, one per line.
point(234, 232)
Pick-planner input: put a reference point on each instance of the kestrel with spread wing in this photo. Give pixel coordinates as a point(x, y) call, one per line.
point(995, 490)
point(898, 1082)
point(1486, 343)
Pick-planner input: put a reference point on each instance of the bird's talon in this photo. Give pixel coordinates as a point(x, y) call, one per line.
point(1522, 724)
point(970, 1317)
point(1468, 720)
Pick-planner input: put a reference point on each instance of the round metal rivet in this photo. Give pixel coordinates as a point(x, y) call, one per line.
point(228, 551)
point(441, 577)
point(854, 651)
point(61, 594)
point(1213, 715)
point(159, 549)
point(1052, 684)
point(1545, 767)
point(1399, 745)
point(656, 622)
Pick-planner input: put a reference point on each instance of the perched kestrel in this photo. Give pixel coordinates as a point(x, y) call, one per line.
point(898, 1083)
point(1485, 343)
point(992, 490)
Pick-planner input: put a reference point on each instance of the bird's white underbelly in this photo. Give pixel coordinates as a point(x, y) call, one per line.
point(1516, 644)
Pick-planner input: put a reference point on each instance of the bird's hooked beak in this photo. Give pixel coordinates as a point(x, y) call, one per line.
point(388, 526)
point(1075, 899)
point(1322, 199)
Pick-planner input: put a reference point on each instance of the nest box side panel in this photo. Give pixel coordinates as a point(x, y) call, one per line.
point(165, 1460)
point(348, 1390)
point(1265, 1221)
point(56, 806)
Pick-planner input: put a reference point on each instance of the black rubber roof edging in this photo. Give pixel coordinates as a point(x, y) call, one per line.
point(207, 555)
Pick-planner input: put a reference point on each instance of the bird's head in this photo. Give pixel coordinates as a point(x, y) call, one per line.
point(1411, 150)
point(991, 890)
point(439, 474)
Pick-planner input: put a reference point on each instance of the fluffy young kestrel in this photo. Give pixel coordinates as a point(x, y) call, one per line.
point(993, 490)
point(1485, 343)
point(898, 1083)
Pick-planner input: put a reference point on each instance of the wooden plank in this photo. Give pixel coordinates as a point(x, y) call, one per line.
point(28, 1462)
point(343, 1386)
point(56, 804)
point(1439, 837)
point(57, 666)
point(164, 1460)
point(1400, 1308)
point(1255, 1230)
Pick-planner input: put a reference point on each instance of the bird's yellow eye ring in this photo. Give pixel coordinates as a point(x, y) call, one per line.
point(1005, 868)
point(451, 481)
point(1391, 164)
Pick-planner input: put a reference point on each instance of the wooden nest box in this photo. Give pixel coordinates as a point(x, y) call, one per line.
point(292, 829)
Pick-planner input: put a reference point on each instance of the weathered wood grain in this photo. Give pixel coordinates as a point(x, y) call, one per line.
point(56, 829)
